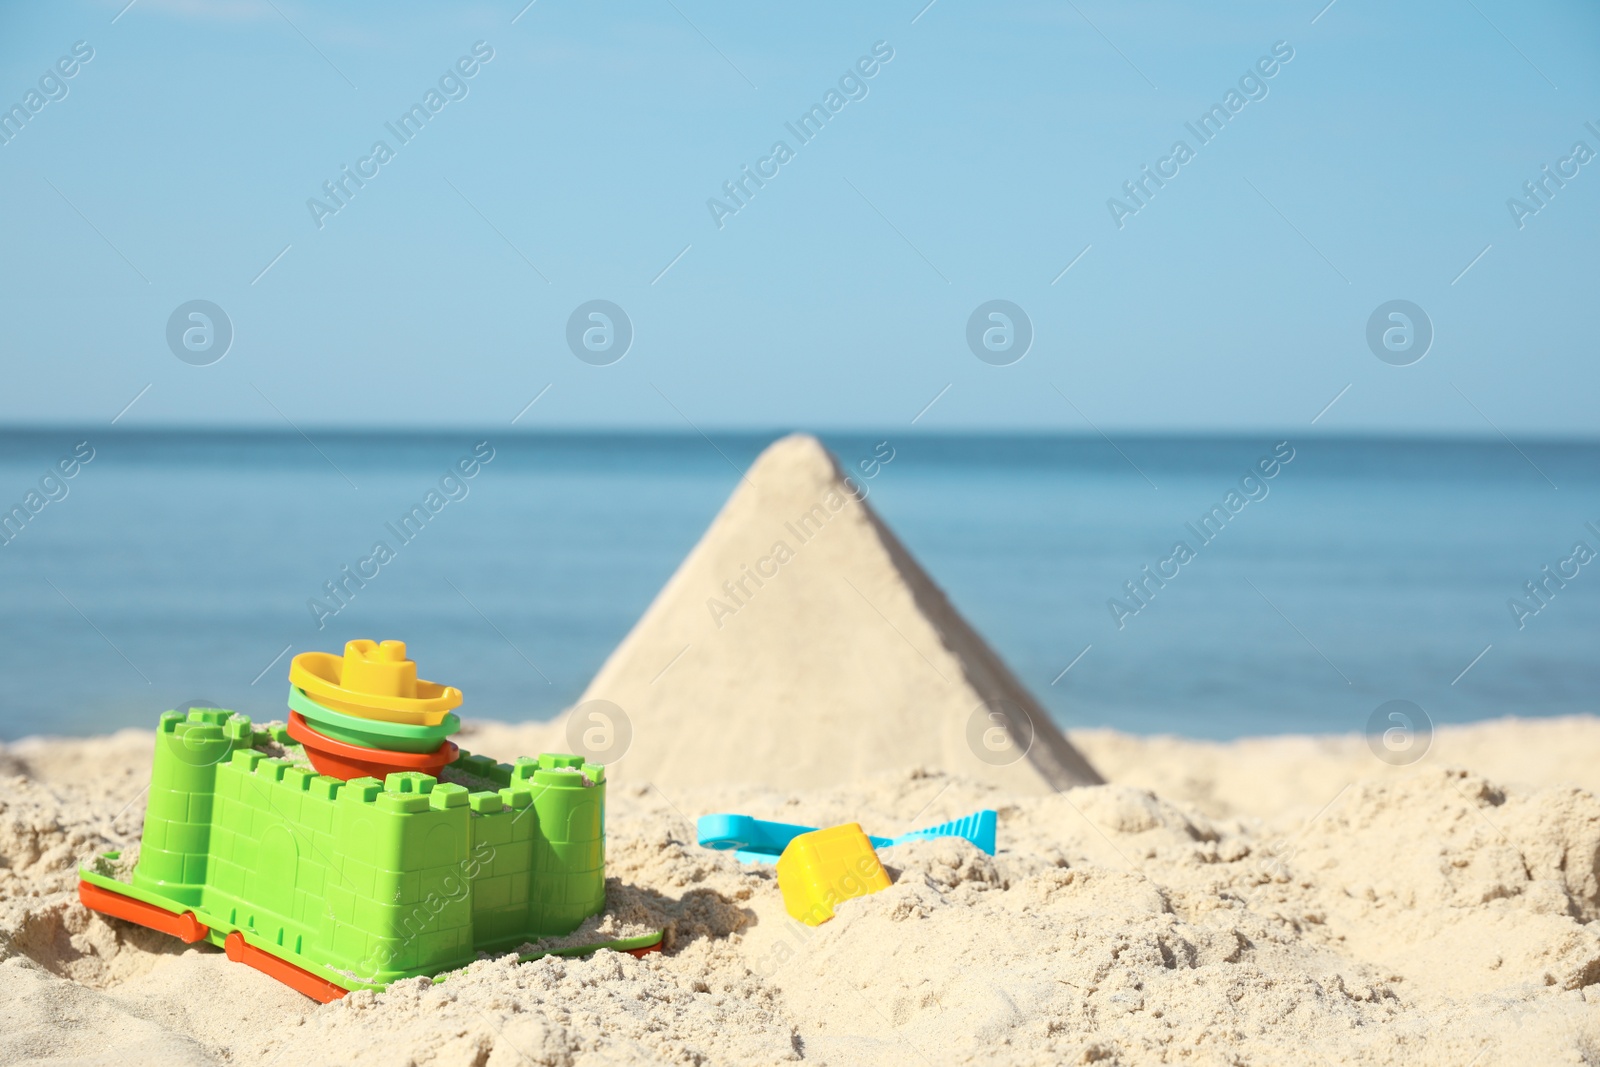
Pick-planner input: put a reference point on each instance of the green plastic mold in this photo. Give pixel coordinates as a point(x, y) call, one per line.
point(364, 882)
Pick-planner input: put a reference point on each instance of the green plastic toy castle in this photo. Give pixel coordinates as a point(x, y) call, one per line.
point(332, 885)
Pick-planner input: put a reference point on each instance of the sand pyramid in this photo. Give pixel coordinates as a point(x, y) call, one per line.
point(799, 644)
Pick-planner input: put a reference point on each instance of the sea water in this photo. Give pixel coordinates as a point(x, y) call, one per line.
point(180, 567)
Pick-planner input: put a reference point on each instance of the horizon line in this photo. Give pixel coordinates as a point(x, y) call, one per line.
point(264, 430)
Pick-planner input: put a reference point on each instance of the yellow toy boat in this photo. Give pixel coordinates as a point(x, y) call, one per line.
point(373, 681)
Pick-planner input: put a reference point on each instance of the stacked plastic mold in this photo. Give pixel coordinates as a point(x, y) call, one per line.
point(367, 713)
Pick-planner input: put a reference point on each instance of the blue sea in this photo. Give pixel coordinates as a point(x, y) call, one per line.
point(177, 567)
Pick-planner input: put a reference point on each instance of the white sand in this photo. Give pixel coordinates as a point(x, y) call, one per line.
point(1269, 901)
point(1426, 917)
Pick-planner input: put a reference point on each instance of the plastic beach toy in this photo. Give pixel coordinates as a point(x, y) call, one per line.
point(371, 733)
point(344, 761)
point(820, 868)
point(373, 681)
point(334, 864)
point(760, 841)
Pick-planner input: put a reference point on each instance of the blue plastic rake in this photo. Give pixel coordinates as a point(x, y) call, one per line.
point(760, 841)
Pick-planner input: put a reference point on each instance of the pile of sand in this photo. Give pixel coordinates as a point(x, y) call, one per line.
point(800, 644)
point(1269, 901)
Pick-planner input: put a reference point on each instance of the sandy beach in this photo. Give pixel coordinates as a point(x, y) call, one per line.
point(858, 535)
point(1153, 900)
point(1263, 901)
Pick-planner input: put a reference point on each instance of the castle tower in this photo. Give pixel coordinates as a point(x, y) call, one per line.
point(569, 846)
point(177, 821)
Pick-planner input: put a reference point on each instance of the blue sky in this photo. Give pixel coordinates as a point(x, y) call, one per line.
point(976, 164)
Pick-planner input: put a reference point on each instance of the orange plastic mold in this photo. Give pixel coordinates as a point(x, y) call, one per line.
point(301, 981)
point(183, 926)
point(339, 759)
